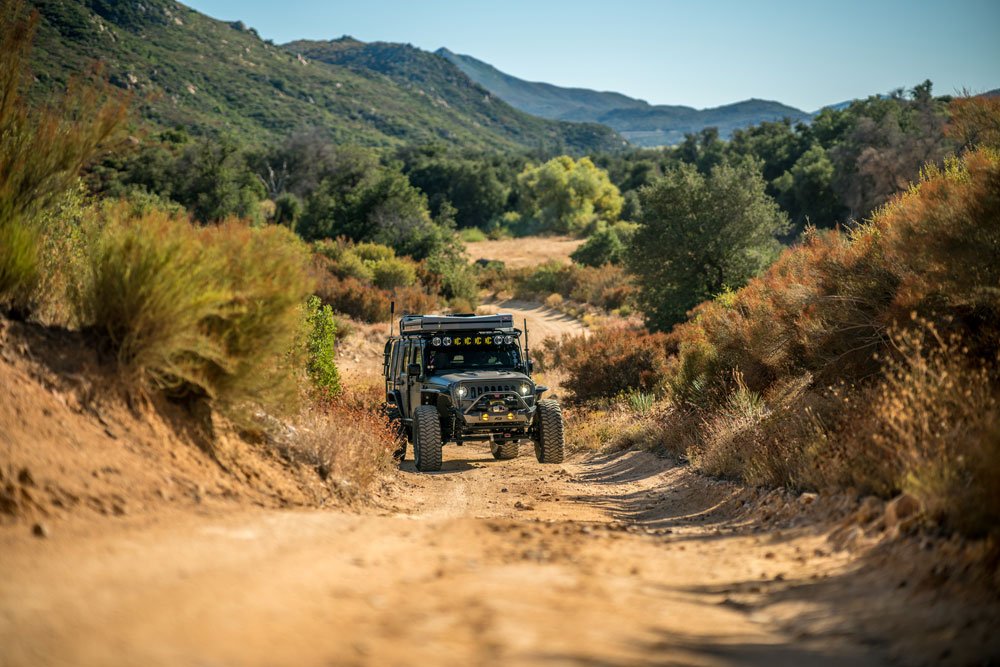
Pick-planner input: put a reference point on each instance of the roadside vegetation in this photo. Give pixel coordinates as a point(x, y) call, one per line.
point(862, 359)
point(217, 315)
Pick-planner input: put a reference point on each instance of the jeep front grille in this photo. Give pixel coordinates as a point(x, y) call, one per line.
point(475, 391)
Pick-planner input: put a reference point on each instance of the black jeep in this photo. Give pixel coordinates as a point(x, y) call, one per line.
point(464, 378)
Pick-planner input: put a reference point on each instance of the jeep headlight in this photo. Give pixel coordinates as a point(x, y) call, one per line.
point(525, 389)
point(462, 392)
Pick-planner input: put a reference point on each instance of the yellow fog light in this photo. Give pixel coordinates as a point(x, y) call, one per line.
point(486, 417)
point(510, 415)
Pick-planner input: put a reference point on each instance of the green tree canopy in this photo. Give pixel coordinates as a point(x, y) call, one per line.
point(472, 187)
point(568, 196)
point(379, 205)
point(700, 234)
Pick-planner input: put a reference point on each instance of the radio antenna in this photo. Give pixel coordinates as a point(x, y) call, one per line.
point(392, 316)
point(527, 356)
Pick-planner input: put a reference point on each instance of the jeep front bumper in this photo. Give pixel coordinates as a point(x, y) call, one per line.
point(497, 410)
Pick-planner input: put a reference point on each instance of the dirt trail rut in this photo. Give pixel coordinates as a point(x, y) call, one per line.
point(486, 562)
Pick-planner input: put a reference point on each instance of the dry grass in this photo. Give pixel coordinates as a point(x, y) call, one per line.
point(616, 426)
point(526, 252)
point(346, 440)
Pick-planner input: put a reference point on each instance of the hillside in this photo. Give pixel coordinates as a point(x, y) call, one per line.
point(214, 77)
point(636, 120)
point(436, 79)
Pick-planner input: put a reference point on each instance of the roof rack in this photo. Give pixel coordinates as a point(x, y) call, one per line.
point(432, 323)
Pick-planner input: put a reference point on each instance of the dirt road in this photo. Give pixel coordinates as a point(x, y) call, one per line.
point(613, 561)
point(617, 560)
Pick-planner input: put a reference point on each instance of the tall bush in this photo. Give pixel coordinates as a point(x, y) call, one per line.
point(611, 361)
point(41, 149)
point(201, 313)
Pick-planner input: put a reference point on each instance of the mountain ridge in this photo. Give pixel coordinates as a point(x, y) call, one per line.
point(636, 120)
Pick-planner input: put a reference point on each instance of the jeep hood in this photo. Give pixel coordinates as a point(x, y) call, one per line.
point(448, 379)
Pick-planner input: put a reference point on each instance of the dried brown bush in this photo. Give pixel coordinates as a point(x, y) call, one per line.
point(609, 361)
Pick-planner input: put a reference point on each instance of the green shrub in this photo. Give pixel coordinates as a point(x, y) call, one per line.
point(321, 339)
point(451, 277)
point(393, 273)
point(67, 228)
point(201, 313)
point(373, 253)
point(332, 249)
point(472, 235)
point(603, 247)
point(639, 401)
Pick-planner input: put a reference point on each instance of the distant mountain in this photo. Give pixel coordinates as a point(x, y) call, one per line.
point(636, 120)
point(215, 77)
point(541, 99)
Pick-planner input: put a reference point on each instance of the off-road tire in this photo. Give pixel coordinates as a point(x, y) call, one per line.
point(504, 450)
point(427, 438)
point(549, 445)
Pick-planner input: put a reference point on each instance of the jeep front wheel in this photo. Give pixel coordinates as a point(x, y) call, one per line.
point(427, 438)
point(549, 443)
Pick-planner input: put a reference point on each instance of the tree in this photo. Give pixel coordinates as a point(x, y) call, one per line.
point(473, 188)
point(603, 247)
point(379, 206)
point(217, 183)
point(975, 121)
point(704, 149)
point(568, 196)
point(287, 209)
point(700, 235)
point(885, 145)
point(806, 192)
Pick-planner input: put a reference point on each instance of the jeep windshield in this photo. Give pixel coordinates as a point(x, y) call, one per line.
point(497, 358)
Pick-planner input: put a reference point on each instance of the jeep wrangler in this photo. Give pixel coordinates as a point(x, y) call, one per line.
point(463, 378)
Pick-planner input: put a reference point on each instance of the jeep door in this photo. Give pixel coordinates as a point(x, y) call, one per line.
point(414, 355)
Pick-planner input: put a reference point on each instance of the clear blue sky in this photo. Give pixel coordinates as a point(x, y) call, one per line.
point(702, 54)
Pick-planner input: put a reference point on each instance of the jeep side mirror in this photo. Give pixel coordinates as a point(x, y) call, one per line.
point(530, 366)
point(413, 370)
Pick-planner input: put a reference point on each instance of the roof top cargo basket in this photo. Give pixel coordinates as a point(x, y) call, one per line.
point(432, 323)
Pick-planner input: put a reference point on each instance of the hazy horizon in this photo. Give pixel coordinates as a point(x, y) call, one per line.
point(698, 54)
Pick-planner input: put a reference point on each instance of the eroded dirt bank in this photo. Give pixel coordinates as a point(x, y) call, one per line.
point(620, 560)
